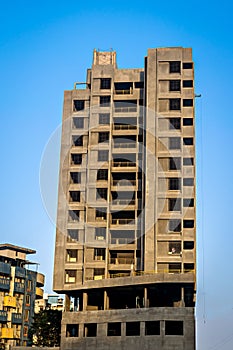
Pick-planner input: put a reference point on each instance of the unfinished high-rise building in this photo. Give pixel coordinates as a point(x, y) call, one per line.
point(125, 241)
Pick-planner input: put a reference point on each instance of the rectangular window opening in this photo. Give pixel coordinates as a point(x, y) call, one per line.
point(187, 65)
point(105, 101)
point(175, 162)
point(104, 118)
point(187, 83)
point(72, 330)
point(114, 329)
point(174, 104)
point(174, 66)
point(174, 85)
point(75, 177)
point(174, 328)
point(152, 328)
point(188, 181)
point(174, 123)
point(174, 184)
point(187, 121)
point(188, 202)
point(188, 223)
point(175, 225)
point(100, 233)
point(132, 328)
point(105, 83)
point(78, 122)
point(188, 102)
point(102, 156)
point(78, 105)
point(174, 204)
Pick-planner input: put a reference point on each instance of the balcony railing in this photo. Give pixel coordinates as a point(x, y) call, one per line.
point(20, 272)
point(118, 261)
point(4, 283)
point(122, 241)
point(124, 182)
point(123, 164)
point(16, 318)
point(124, 145)
point(124, 202)
point(124, 127)
point(100, 218)
point(5, 268)
point(124, 92)
point(19, 287)
point(125, 109)
point(7, 333)
point(3, 316)
point(123, 221)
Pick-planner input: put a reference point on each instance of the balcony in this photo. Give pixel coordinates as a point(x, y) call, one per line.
point(124, 127)
point(125, 106)
point(123, 88)
point(16, 318)
point(3, 316)
point(9, 301)
point(125, 202)
point(123, 164)
point(132, 109)
point(122, 240)
point(40, 279)
point(124, 145)
point(19, 287)
point(5, 268)
point(124, 183)
point(7, 333)
point(39, 293)
point(123, 261)
point(20, 272)
point(123, 221)
point(4, 284)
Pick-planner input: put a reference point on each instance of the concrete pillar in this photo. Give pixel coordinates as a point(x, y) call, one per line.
point(142, 329)
point(123, 329)
point(81, 330)
point(106, 300)
point(85, 297)
point(182, 296)
point(102, 329)
point(146, 301)
point(67, 303)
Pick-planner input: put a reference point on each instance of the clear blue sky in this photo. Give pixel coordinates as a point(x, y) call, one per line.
point(45, 46)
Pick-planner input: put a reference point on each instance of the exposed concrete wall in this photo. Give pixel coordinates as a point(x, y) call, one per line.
point(142, 341)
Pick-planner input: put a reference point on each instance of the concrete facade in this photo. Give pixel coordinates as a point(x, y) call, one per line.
point(19, 288)
point(125, 242)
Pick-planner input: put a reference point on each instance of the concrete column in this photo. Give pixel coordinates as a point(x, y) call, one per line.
point(67, 303)
point(81, 330)
point(146, 301)
point(182, 296)
point(142, 329)
point(85, 297)
point(102, 329)
point(106, 300)
point(123, 329)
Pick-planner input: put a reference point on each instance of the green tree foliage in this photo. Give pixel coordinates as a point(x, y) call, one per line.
point(46, 328)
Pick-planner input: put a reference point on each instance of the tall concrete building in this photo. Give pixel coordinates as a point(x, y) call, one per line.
point(125, 241)
point(19, 288)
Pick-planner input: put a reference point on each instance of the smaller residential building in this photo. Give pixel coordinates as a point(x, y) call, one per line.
point(19, 288)
point(49, 301)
